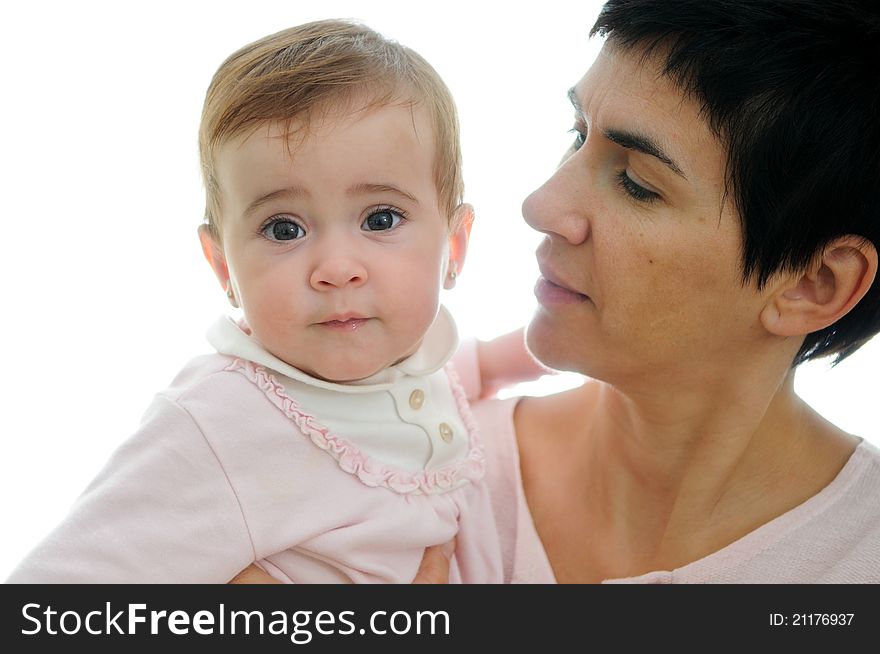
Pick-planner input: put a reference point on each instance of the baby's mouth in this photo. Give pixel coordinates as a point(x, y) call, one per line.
point(344, 323)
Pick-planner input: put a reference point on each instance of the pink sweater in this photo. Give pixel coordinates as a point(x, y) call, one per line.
point(227, 469)
point(222, 483)
point(834, 537)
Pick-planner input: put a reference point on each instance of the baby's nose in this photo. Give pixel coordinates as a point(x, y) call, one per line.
point(338, 272)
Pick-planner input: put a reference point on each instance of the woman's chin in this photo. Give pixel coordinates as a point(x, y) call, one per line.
point(561, 347)
point(547, 344)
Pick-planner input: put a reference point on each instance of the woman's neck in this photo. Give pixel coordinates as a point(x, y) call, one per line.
point(680, 473)
point(624, 482)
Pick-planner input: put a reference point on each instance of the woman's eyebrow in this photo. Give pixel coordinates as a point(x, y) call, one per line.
point(630, 140)
point(573, 98)
point(642, 143)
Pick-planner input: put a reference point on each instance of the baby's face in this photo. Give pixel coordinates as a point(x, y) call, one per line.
point(336, 246)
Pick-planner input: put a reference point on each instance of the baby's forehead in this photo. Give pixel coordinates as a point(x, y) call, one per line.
point(320, 122)
point(370, 151)
point(398, 130)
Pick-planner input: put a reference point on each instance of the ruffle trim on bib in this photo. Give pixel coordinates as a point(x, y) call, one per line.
point(352, 459)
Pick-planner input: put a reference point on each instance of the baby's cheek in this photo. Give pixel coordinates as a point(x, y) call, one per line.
point(414, 299)
point(417, 303)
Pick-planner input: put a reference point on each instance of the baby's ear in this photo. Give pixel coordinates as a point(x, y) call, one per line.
point(214, 255)
point(462, 221)
point(825, 292)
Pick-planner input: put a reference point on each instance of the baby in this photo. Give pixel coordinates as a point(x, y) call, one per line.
point(327, 439)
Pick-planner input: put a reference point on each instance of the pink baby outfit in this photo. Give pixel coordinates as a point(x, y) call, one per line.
point(833, 537)
point(245, 459)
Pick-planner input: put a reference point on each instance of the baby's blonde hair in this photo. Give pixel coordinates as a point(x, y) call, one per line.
point(319, 67)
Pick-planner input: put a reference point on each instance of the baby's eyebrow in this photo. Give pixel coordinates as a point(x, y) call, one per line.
point(365, 188)
point(295, 192)
point(291, 192)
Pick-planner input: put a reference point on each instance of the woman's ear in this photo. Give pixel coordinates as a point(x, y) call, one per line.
point(825, 292)
point(214, 255)
point(463, 219)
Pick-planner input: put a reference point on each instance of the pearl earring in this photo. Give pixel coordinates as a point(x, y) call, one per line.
point(453, 272)
point(230, 294)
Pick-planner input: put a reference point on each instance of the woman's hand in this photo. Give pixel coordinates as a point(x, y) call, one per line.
point(434, 568)
point(253, 575)
point(435, 564)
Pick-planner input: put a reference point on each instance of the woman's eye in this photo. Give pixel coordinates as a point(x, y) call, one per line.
point(634, 190)
point(283, 230)
point(580, 138)
point(381, 220)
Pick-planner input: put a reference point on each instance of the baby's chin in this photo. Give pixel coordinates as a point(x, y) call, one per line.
point(355, 367)
point(343, 372)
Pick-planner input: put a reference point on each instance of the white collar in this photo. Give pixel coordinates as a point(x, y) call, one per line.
point(437, 347)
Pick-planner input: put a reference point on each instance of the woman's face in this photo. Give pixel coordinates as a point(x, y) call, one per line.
point(641, 273)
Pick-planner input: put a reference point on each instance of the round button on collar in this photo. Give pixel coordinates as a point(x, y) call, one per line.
point(446, 432)
point(417, 399)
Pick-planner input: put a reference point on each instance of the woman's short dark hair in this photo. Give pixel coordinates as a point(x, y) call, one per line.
point(792, 88)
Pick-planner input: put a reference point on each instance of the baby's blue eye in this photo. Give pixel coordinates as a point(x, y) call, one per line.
point(381, 220)
point(283, 230)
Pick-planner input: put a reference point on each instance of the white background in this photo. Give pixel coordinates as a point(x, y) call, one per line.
point(104, 291)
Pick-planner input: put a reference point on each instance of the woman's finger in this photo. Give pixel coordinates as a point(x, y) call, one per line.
point(435, 564)
point(253, 575)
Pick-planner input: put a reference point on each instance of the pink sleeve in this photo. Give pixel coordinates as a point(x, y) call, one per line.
point(524, 560)
point(467, 367)
point(161, 511)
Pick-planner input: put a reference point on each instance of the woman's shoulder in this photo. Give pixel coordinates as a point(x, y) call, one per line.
point(860, 478)
point(504, 422)
point(554, 416)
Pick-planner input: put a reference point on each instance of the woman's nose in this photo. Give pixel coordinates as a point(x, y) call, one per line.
point(337, 272)
point(560, 207)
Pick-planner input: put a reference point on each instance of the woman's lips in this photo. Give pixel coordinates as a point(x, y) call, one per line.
point(549, 293)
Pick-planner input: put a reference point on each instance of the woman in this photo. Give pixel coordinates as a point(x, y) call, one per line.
point(712, 227)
